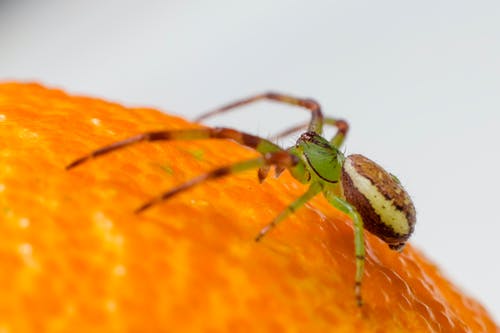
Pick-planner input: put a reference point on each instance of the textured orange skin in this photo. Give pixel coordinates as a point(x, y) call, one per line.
point(74, 257)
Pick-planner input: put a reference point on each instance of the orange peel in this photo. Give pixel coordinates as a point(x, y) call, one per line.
point(74, 257)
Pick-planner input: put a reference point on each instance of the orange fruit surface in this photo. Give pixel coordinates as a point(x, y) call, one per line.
point(75, 258)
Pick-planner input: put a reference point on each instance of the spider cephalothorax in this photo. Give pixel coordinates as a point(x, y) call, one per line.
point(356, 185)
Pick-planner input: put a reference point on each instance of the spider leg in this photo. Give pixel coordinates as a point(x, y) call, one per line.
point(315, 124)
point(280, 158)
point(359, 242)
point(290, 131)
point(313, 190)
point(337, 140)
point(263, 172)
point(263, 146)
point(342, 129)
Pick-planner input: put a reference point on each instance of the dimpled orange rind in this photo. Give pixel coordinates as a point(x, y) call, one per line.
point(75, 258)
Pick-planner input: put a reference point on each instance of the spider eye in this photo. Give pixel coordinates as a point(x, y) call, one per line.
point(377, 195)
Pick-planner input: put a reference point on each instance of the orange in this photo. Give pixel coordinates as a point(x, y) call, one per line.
point(75, 258)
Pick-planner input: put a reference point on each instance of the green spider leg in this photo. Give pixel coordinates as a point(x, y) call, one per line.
point(315, 125)
point(313, 190)
point(359, 242)
point(280, 158)
point(263, 146)
point(341, 125)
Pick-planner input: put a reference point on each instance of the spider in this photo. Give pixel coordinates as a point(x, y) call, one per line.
point(373, 198)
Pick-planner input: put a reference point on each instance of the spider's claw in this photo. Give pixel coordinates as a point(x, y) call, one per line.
point(359, 302)
point(263, 232)
point(278, 170)
point(77, 162)
point(144, 207)
point(71, 165)
point(262, 173)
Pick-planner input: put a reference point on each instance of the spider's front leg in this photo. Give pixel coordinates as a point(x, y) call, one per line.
point(263, 146)
point(272, 155)
point(281, 159)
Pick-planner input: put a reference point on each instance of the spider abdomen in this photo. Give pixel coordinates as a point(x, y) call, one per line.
point(384, 205)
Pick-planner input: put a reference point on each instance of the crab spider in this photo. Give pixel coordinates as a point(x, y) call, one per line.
point(373, 198)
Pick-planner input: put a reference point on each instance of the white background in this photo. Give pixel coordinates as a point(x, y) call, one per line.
point(419, 82)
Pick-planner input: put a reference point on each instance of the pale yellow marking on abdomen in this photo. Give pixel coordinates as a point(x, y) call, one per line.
point(389, 214)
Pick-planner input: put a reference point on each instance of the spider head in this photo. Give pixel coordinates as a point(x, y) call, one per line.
point(386, 208)
point(322, 160)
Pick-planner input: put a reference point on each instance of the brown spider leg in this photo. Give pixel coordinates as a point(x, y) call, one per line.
point(315, 124)
point(289, 131)
point(280, 158)
point(263, 146)
point(337, 140)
